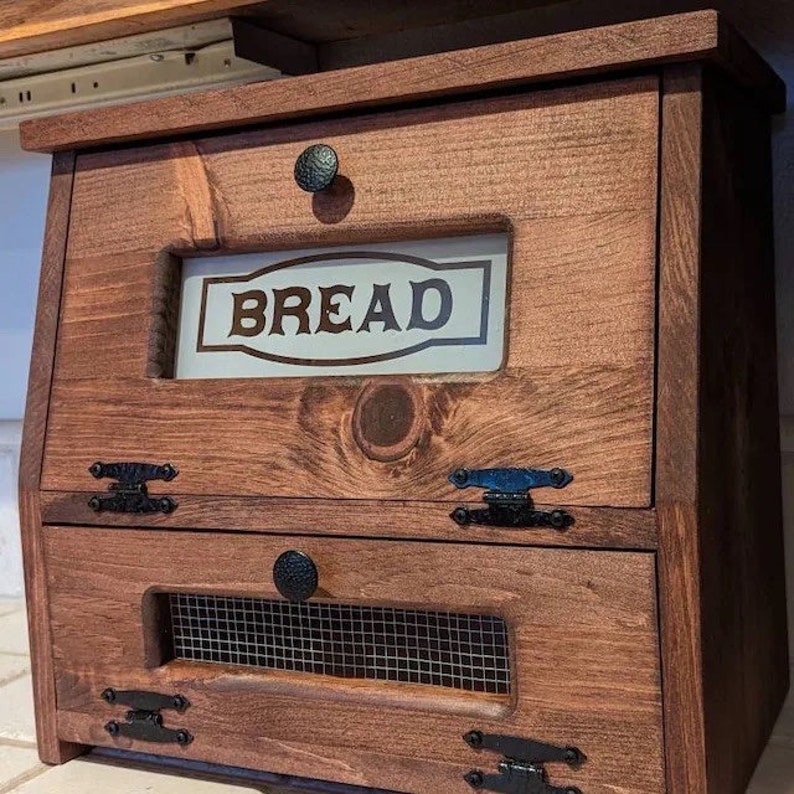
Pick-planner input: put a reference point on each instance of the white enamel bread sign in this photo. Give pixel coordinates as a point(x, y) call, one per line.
point(431, 306)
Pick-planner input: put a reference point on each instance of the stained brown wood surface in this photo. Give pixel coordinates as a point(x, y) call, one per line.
point(583, 627)
point(31, 26)
point(319, 22)
point(602, 527)
point(743, 594)
point(722, 599)
point(677, 428)
point(51, 749)
point(526, 21)
point(695, 36)
point(571, 173)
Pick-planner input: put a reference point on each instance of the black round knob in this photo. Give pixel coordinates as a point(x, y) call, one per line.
point(316, 168)
point(295, 576)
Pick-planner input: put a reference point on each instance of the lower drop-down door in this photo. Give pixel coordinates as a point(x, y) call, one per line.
point(399, 650)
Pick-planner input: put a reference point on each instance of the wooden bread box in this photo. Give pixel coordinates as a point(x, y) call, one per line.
point(413, 426)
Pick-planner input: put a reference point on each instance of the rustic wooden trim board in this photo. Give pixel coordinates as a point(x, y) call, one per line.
point(718, 507)
point(51, 749)
point(699, 36)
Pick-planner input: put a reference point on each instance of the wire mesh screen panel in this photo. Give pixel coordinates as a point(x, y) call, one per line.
point(444, 649)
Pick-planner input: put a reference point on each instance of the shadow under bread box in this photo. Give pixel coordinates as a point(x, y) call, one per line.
point(414, 426)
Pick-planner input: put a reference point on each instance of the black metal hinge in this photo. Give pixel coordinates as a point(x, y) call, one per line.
point(521, 771)
point(144, 719)
point(508, 499)
point(130, 493)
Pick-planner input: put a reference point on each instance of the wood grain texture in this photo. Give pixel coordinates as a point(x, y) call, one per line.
point(584, 642)
point(722, 597)
point(570, 173)
point(320, 22)
point(602, 527)
point(696, 36)
point(526, 21)
point(51, 749)
point(677, 427)
point(31, 26)
point(743, 585)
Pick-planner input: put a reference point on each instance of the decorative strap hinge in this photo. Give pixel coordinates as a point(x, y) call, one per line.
point(508, 499)
point(521, 771)
point(144, 719)
point(130, 493)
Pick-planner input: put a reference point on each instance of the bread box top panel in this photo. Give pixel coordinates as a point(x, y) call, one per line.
point(566, 179)
point(699, 36)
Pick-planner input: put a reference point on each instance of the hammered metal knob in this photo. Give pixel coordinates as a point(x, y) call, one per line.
point(316, 168)
point(295, 576)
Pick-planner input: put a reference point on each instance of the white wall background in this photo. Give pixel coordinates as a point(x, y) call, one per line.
point(24, 179)
point(23, 194)
point(23, 197)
